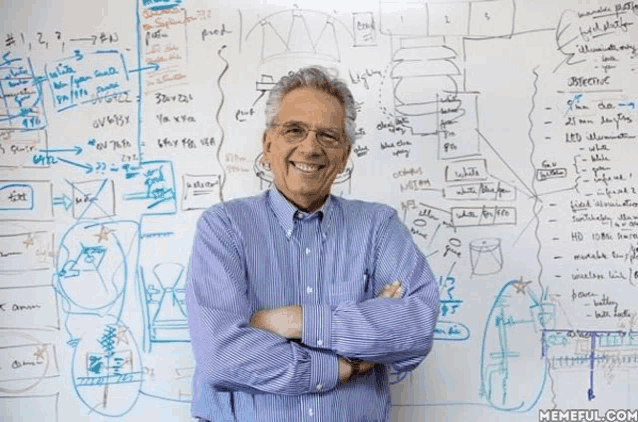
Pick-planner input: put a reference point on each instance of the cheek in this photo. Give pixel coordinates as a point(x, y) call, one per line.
point(281, 151)
point(275, 154)
point(342, 164)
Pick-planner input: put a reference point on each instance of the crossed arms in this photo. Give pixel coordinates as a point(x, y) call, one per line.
point(238, 349)
point(287, 322)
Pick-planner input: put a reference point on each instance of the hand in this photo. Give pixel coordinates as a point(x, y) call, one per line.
point(285, 322)
point(346, 369)
point(391, 291)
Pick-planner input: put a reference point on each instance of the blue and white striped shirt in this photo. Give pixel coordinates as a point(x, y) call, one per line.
point(262, 253)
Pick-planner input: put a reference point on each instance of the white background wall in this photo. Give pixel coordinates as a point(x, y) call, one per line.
point(503, 131)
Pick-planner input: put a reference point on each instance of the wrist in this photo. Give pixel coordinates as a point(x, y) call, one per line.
point(295, 322)
point(355, 367)
point(345, 370)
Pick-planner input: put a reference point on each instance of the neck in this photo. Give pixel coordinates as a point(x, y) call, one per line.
point(306, 204)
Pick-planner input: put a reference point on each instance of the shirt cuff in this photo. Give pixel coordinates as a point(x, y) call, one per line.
point(324, 370)
point(317, 324)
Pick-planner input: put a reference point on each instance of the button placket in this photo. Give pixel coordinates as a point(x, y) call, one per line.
point(308, 240)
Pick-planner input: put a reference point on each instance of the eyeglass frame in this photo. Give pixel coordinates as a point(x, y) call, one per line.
point(318, 132)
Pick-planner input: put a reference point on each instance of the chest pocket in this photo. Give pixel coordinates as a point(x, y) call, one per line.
point(355, 289)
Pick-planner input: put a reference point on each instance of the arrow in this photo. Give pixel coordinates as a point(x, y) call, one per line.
point(88, 167)
point(153, 66)
point(76, 149)
point(63, 200)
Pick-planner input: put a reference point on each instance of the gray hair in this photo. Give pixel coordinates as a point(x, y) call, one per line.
point(318, 78)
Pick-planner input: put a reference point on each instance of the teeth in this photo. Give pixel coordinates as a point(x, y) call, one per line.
point(307, 167)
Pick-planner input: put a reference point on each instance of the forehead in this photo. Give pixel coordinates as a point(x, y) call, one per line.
point(311, 106)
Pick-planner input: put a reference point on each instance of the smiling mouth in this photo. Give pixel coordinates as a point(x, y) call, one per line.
point(305, 167)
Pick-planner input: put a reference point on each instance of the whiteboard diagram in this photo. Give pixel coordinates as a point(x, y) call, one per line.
point(503, 132)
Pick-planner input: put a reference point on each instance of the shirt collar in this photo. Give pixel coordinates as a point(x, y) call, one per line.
point(287, 212)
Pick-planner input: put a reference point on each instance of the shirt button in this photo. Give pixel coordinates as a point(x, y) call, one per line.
point(311, 412)
point(289, 232)
point(319, 387)
point(319, 343)
point(309, 290)
point(307, 251)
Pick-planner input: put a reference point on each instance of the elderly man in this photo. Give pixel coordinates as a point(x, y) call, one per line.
point(300, 303)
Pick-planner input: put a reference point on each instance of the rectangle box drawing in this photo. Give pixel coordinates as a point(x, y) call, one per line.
point(16, 196)
point(26, 200)
point(483, 216)
point(21, 105)
point(26, 251)
point(34, 307)
point(27, 362)
point(150, 188)
point(491, 191)
point(466, 170)
point(93, 199)
point(403, 18)
point(81, 78)
point(553, 173)
point(17, 148)
point(364, 27)
point(200, 191)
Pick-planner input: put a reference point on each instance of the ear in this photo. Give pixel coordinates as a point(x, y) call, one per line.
point(266, 141)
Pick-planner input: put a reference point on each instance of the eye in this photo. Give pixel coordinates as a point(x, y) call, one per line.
point(329, 137)
point(293, 130)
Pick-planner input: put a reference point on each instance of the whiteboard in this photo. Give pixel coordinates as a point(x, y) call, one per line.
point(503, 132)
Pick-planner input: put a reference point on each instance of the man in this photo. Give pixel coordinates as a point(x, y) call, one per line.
point(301, 303)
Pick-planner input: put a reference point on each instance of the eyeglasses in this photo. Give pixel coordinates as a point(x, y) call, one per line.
point(297, 132)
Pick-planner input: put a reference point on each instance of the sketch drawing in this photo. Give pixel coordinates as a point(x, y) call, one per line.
point(502, 131)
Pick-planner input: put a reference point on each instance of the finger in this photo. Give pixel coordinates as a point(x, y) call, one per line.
point(394, 287)
point(391, 291)
point(398, 294)
point(365, 367)
point(385, 292)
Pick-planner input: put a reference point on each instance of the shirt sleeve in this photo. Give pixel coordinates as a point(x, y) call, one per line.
point(390, 331)
point(229, 354)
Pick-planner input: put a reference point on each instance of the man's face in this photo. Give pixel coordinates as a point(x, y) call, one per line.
point(304, 169)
